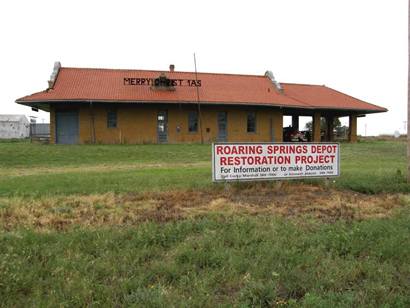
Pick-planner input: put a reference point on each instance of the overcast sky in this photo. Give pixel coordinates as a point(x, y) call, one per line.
point(355, 46)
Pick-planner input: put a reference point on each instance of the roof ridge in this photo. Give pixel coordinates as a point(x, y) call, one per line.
point(159, 71)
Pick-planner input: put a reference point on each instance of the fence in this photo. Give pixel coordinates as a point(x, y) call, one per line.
point(40, 132)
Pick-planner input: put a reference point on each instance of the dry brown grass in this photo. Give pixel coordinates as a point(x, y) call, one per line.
point(289, 200)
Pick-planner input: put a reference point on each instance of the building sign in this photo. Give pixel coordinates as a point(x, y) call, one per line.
point(162, 81)
point(271, 161)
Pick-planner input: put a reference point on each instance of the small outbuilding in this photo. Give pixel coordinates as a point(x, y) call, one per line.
point(89, 105)
point(14, 126)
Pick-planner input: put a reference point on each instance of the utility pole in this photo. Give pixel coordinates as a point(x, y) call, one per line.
point(408, 102)
point(199, 102)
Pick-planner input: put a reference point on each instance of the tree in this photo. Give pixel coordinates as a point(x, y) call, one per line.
point(336, 124)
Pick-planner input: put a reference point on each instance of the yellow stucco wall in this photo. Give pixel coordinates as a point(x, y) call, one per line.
point(138, 123)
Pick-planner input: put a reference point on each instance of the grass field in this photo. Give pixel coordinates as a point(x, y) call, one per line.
point(144, 226)
point(36, 170)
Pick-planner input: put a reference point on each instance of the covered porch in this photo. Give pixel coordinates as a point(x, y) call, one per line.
point(322, 128)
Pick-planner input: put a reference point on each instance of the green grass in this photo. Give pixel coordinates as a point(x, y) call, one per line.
point(369, 167)
point(373, 167)
point(147, 179)
point(213, 261)
point(28, 155)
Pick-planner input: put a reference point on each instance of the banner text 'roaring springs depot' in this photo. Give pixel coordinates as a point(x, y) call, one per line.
point(270, 161)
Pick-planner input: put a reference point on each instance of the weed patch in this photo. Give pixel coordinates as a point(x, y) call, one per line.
point(215, 260)
point(94, 211)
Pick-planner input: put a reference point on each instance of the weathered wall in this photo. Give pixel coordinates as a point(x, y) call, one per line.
point(138, 123)
point(14, 129)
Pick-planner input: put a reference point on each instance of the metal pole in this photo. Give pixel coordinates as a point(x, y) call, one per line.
point(408, 102)
point(199, 104)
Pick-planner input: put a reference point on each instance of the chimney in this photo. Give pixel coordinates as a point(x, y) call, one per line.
point(171, 67)
point(53, 77)
point(277, 85)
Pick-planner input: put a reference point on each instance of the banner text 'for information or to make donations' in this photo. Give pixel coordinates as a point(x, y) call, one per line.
point(270, 161)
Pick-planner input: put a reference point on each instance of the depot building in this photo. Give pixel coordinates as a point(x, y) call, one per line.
point(108, 106)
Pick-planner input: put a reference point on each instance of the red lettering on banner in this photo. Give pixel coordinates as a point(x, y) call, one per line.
point(257, 160)
point(236, 161)
point(318, 159)
point(238, 150)
point(323, 149)
point(297, 159)
point(287, 149)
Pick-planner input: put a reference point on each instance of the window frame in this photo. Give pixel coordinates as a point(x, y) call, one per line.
point(110, 120)
point(196, 120)
point(254, 122)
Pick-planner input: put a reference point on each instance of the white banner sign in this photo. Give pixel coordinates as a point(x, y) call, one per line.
point(272, 161)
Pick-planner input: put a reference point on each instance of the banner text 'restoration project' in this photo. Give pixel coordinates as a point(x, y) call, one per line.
point(258, 161)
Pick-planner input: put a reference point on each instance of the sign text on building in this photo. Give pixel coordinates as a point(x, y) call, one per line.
point(155, 82)
point(270, 161)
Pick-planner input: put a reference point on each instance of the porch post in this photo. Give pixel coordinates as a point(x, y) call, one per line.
point(52, 125)
point(352, 128)
point(329, 128)
point(295, 122)
point(316, 127)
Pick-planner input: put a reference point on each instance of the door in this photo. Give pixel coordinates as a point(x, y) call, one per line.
point(222, 126)
point(162, 126)
point(67, 127)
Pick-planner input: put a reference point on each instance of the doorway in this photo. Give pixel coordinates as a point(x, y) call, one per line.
point(162, 126)
point(67, 127)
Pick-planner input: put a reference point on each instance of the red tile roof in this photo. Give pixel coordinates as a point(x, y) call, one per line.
point(326, 98)
point(107, 85)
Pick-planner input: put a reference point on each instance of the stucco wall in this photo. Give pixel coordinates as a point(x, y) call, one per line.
point(14, 129)
point(138, 123)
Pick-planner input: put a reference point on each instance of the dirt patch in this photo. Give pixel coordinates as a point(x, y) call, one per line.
point(288, 200)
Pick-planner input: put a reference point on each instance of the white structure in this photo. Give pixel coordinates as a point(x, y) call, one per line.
point(14, 126)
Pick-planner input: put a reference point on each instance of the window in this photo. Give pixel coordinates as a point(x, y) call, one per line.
point(112, 119)
point(251, 123)
point(162, 121)
point(193, 121)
